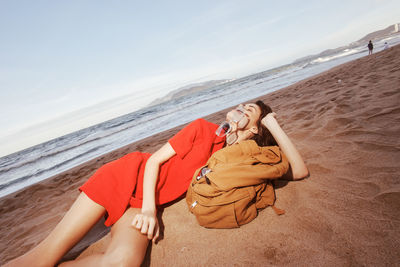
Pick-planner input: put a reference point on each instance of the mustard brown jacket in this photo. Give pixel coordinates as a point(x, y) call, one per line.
point(236, 184)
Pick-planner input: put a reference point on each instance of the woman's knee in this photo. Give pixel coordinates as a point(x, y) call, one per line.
point(121, 257)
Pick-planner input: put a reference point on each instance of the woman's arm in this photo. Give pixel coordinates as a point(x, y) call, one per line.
point(298, 167)
point(147, 220)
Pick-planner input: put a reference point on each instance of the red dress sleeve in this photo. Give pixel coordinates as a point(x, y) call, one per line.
point(183, 141)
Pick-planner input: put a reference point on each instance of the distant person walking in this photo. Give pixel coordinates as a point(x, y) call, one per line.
point(370, 47)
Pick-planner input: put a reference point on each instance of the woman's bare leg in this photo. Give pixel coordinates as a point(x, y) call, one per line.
point(127, 247)
point(78, 220)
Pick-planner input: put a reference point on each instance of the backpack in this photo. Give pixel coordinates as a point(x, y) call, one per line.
point(234, 184)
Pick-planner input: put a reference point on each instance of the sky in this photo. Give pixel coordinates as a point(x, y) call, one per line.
point(66, 65)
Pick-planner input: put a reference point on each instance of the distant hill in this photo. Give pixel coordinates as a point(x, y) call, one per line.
point(188, 89)
point(379, 34)
point(392, 29)
point(196, 87)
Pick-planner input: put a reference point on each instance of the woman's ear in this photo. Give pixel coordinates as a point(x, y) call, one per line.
point(254, 130)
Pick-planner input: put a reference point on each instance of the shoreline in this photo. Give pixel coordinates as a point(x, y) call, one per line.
point(21, 183)
point(340, 120)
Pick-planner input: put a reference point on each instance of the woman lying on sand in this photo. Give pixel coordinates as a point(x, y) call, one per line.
point(129, 189)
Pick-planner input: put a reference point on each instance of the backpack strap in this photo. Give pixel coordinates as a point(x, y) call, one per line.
point(277, 210)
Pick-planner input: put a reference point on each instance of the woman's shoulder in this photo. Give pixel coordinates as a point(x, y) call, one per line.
point(206, 122)
point(202, 123)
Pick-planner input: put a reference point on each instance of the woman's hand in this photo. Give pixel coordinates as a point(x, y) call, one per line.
point(269, 119)
point(146, 222)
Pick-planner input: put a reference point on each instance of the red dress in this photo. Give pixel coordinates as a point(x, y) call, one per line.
point(119, 183)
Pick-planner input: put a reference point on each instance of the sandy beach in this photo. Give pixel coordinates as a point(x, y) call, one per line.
point(346, 124)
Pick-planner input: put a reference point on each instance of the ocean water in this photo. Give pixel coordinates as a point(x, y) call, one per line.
point(42, 161)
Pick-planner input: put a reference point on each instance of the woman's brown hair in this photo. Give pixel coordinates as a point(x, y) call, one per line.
point(263, 137)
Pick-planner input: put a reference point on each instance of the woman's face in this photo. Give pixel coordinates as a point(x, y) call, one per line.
point(251, 111)
point(243, 121)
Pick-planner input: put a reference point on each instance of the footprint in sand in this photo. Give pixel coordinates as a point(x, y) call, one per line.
point(386, 113)
point(373, 78)
point(366, 95)
point(342, 108)
point(391, 199)
point(395, 92)
point(373, 146)
point(337, 124)
point(332, 91)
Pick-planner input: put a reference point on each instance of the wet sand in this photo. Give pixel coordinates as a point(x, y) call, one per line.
point(346, 124)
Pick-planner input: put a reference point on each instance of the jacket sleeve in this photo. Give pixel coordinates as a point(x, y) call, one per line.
point(244, 166)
